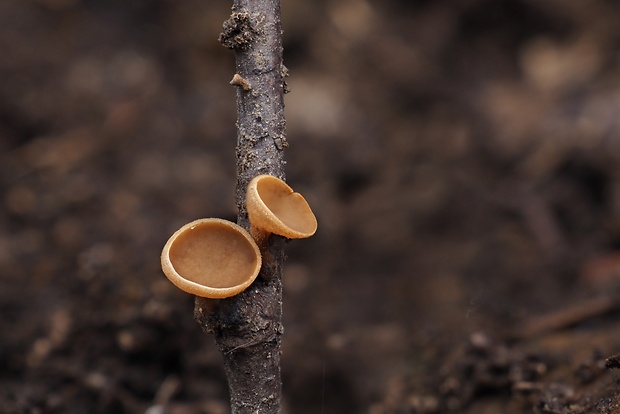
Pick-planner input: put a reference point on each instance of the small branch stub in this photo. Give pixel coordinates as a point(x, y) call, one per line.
point(238, 80)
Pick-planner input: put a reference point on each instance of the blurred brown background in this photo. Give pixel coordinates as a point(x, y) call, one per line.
point(461, 157)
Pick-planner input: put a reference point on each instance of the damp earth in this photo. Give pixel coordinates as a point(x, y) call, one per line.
point(462, 159)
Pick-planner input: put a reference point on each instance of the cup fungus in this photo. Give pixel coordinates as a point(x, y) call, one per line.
point(211, 258)
point(273, 207)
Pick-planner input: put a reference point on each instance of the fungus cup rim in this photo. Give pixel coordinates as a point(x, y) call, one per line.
point(263, 218)
point(203, 290)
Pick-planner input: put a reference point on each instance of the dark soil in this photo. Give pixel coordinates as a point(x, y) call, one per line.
point(462, 158)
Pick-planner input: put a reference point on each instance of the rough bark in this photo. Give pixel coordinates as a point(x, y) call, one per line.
point(248, 327)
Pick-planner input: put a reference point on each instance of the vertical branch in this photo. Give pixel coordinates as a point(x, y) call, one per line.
point(248, 327)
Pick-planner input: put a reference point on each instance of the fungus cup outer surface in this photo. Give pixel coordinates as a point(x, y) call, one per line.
point(211, 258)
point(274, 207)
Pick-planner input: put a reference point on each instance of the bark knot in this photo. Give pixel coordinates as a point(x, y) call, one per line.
point(238, 32)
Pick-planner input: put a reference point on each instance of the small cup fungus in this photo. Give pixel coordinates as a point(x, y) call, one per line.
point(273, 207)
point(211, 258)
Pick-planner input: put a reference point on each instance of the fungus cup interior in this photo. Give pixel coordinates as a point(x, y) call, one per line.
point(284, 206)
point(211, 258)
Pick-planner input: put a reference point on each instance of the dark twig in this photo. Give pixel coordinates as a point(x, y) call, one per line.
point(248, 327)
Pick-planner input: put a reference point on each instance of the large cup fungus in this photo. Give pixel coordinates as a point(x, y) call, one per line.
point(211, 258)
point(273, 207)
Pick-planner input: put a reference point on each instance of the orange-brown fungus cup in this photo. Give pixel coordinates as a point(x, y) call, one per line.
point(212, 258)
point(273, 207)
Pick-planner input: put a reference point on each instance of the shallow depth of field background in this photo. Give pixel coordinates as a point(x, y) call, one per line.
point(461, 158)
